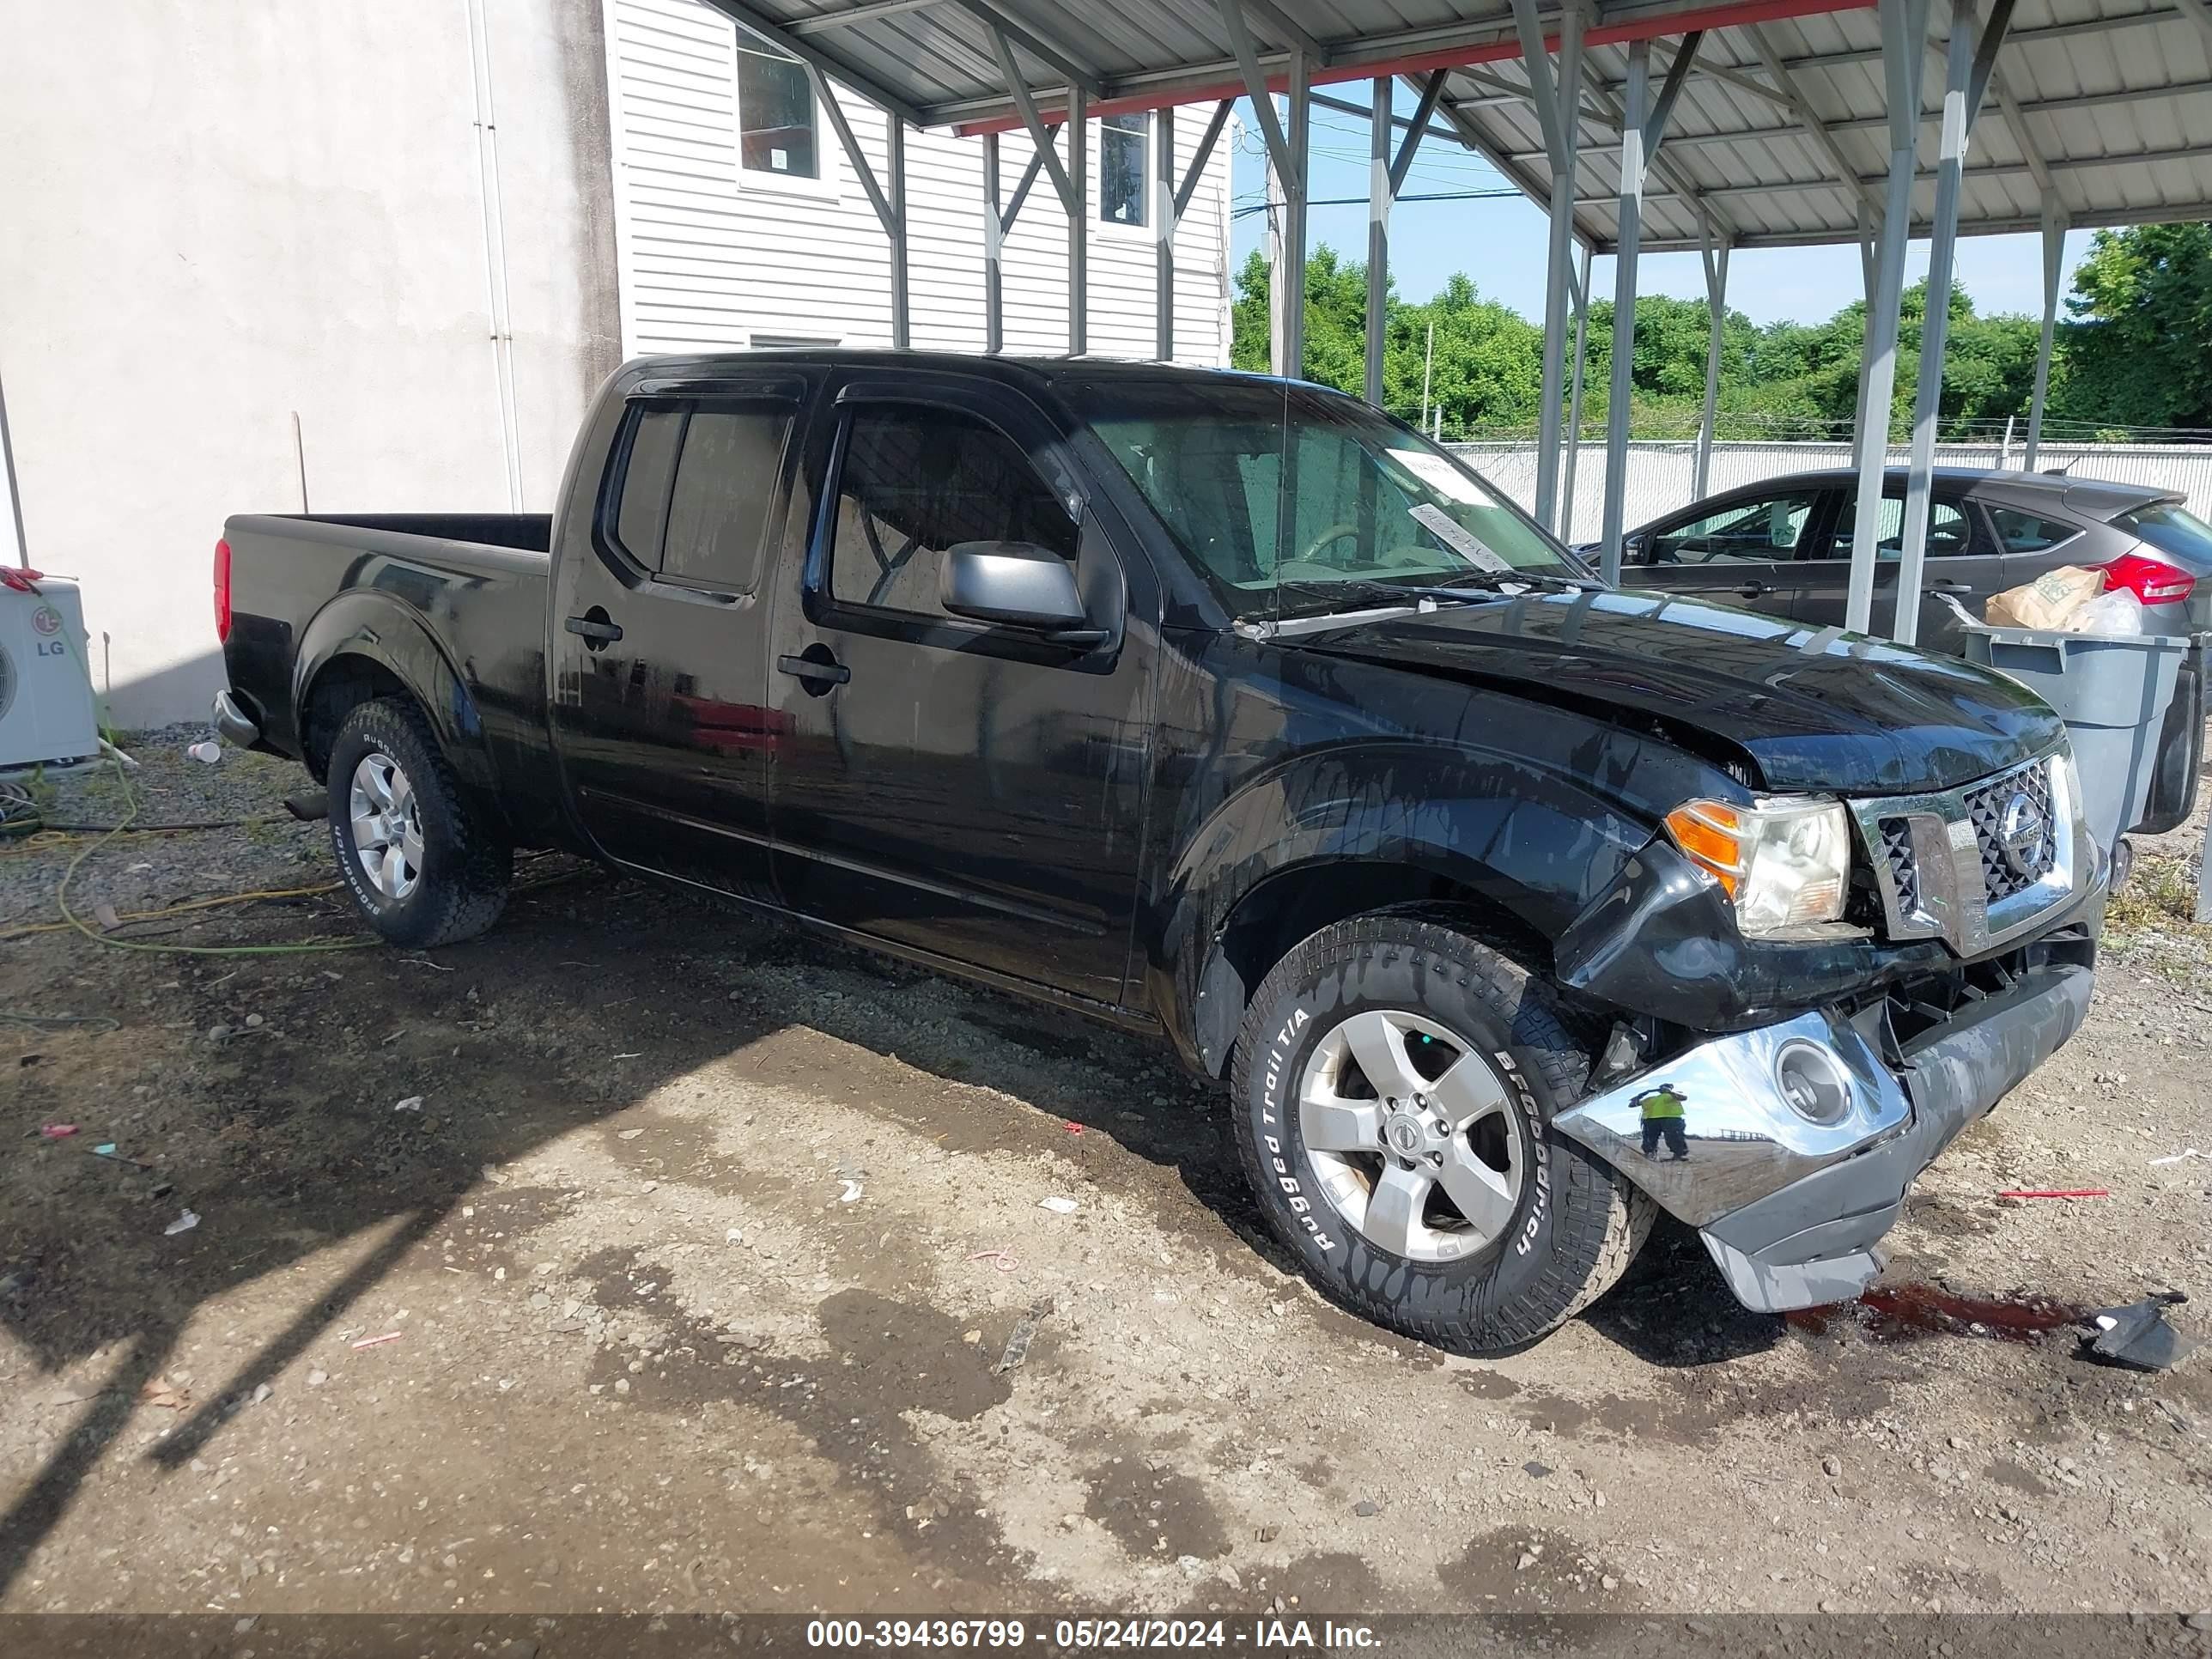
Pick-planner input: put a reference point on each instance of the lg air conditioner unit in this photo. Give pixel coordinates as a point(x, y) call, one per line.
point(46, 711)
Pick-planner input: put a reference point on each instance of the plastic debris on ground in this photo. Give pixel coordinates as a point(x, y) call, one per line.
point(159, 1391)
point(851, 1193)
point(107, 1149)
point(2181, 1157)
point(208, 752)
point(2059, 1191)
point(1058, 1205)
point(1005, 1260)
point(57, 1131)
point(2137, 1336)
point(1025, 1332)
point(412, 1103)
point(182, 1224)
point(377, 1342)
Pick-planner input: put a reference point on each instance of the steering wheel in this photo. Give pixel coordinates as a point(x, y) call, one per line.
point(1335, 533)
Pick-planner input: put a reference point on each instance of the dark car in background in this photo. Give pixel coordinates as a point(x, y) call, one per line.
point(1783, 547)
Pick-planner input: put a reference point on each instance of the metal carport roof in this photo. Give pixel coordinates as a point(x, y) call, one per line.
point(2102, 108)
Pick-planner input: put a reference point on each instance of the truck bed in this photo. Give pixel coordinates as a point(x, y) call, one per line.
point(456, 600)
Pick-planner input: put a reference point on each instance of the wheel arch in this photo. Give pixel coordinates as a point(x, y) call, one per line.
point(1519, 852)
point(363, 645)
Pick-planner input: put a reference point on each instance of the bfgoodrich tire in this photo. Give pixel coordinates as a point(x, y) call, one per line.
point(419, 866)
point(1394, 1085)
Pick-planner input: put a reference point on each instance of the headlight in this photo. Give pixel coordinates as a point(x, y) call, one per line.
point(1785, 863)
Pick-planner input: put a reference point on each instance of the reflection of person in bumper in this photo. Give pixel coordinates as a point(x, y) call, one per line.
point(1662, 1116)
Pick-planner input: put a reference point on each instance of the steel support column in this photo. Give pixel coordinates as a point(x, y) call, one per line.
point(1067, 179)
point(1934, 323)
point(1636, 103)
point(1285, 139)
point(889, 205)
point(1716, 257)
point(1904, 30)
point(1175, 190)
point(1164, 234)
point(1380, 196)
point(2054, 250)
point(1558, 112)
point(1574, 444)
point(901, 287)
point(1078, 222)
point(1386, 177)
point(994, 253)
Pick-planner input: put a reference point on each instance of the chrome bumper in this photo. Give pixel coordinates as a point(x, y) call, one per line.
point(233, 723)
point(1796, 1142)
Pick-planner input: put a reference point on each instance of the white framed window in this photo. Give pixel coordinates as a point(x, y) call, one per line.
point(779, 126)
point(1124, 148)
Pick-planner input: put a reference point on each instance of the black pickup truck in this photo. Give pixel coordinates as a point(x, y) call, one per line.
point(1226, 709)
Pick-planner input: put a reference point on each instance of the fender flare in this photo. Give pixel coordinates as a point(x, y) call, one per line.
point(1539, 845)
point(370, 625)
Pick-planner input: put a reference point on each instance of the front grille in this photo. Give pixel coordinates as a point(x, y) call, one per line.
point(1986, 807)
point(1904, 868)
point(1939, 866)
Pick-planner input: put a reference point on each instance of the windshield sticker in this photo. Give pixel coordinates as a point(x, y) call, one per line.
point(1458, 537)
point(1440, 476)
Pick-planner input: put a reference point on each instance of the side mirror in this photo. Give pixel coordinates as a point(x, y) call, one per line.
point(1015, 583)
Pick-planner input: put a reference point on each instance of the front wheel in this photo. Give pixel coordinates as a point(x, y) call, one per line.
point(1394, 1086)
point(421, 867)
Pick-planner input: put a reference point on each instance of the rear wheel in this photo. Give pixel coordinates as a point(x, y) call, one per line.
point(420, 866)
point(1395, 1081)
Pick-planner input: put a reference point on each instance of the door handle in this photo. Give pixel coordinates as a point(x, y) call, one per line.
point(1751, 590)
point(1945, 585)
point(594, 628)
point(820, 672)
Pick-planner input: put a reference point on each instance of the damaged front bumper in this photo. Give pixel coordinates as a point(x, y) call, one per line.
point(1795, 1143)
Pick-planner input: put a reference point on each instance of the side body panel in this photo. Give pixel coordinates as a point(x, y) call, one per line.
point(458, 625)
point(970, 791)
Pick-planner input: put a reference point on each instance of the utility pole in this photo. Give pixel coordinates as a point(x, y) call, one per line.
point(1428, 360)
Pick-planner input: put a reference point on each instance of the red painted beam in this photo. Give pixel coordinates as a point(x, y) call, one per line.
point(1731, 15)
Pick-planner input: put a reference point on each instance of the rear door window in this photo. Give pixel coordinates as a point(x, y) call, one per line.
point(1950, 532)
point(697, 485)
point(2023, 532)
point(726, 482)
point(641, 510)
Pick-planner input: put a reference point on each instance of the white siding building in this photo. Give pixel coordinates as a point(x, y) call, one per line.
point(378, 258)
point(739, 222)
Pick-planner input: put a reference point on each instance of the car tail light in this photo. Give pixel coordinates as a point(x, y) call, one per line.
point(222, 592)
point(2152, 581)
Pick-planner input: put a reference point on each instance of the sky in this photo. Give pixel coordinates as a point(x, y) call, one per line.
point(1502, 244)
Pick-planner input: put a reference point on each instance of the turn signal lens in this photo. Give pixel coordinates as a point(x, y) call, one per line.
point(1784, 863)
point(1709, 832)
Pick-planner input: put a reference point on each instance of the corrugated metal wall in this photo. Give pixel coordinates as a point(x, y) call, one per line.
point(1660, 473)
point(712, 256)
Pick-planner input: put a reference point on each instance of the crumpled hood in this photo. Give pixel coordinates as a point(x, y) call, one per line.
point(1814, 710)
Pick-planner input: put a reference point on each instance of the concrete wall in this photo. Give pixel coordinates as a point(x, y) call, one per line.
point(217, 217)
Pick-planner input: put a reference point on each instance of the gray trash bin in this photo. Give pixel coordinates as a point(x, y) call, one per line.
point(2111, 690)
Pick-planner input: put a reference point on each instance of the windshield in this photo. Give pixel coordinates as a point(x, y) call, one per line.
point(1294, 498)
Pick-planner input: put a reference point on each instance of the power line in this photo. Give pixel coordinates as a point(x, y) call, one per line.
point(1360, 201)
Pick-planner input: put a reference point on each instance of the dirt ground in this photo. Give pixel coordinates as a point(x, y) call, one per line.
point(700, 1274)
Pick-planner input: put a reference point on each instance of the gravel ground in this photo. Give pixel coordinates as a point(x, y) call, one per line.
point(710, 1272)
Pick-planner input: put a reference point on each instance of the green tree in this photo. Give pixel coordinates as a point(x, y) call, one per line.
point(2138, 351)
